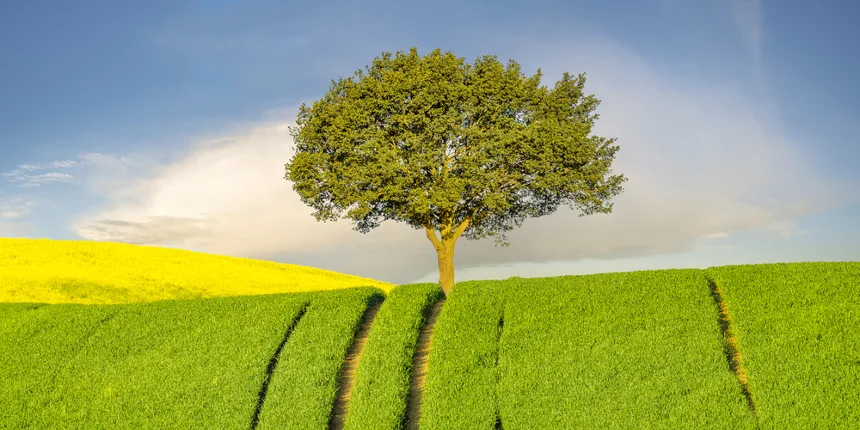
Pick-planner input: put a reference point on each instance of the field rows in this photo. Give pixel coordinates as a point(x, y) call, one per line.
point(175, 364)
point(381, 394)
point(644, 349)
point(599, 351)
point(618, 350)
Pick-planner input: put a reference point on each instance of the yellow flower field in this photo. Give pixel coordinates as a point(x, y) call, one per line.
point(65, 271)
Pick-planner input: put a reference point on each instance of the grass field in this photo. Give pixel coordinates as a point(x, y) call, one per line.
point(381, 390)
point(164, 364)
point(460, 390)
point(36, 345)
point(621, 350)
point(302, 391)
point(797, 326)
point(625, 350)
point(60, 271)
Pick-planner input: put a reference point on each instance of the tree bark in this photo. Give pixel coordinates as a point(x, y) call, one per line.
point(445, 255)
point(444, 245)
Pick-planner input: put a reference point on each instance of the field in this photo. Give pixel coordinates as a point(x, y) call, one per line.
point(380, 396)
point(614, 350)
point(172, 364)
point(303, 387)
point(61, 271)
point(761, 346)
point(797, 325)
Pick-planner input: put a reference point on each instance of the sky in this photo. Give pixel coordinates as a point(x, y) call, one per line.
point(166, 123)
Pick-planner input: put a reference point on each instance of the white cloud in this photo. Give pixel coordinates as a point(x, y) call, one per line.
point(91, 165)
point(702, 162)
point(51, 165)
point(28, 181)
point(227, 196)
point(22, 177)
point(100, 159)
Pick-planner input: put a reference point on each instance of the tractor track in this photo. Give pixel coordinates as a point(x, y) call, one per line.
point(346, 378)
point(420, 364)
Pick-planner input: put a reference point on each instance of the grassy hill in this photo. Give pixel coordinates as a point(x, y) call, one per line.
point(63, 271)
point(760, 346)
point(178, 363)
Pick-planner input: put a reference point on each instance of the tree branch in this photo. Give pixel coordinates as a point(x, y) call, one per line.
point(462, 227)
point(431, 234)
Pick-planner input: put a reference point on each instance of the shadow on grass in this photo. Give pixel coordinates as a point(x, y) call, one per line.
point(730, 344)
point(270, 369)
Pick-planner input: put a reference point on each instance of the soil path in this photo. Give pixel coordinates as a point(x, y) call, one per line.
point(346, 379)
point(419, 366)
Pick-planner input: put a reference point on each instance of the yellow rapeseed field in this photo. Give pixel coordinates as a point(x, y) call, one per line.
point(77, 271)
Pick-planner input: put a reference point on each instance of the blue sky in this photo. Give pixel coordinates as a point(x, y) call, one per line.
point(165, 123)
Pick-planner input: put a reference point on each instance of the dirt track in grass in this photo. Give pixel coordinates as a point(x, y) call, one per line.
point(419, 366)
point(732, 348)
point(346, 379)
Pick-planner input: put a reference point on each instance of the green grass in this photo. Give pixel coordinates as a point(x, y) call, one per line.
point(176, 364)
point(302, 392)
point(36, 345)
point(797, 325)
point(169, 364)
point(629, 350)
point(618, 350)
point(460, 389)
point(380, 395)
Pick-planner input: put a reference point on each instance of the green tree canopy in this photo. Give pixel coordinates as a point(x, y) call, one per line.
point(451, 148)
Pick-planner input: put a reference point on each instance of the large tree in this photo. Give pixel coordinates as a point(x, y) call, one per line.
point(451, 148)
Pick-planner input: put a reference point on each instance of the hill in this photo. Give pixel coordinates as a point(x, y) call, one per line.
point(87, 272)
point(768, 346)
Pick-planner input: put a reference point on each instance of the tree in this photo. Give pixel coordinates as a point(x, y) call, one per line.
point(451, 148)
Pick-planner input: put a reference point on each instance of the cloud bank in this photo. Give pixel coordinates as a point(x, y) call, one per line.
point(227, 195)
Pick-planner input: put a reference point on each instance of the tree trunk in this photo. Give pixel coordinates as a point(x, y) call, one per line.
point(445, 254)
point(444, 245)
